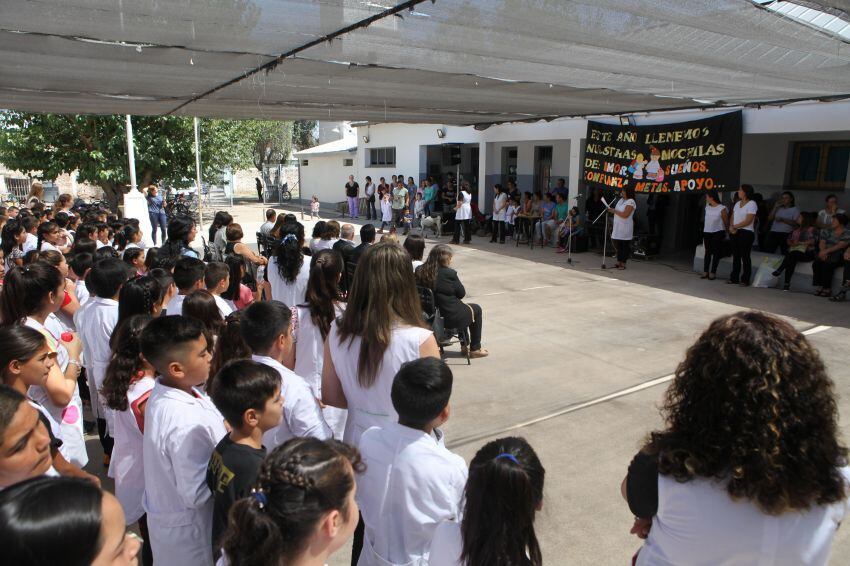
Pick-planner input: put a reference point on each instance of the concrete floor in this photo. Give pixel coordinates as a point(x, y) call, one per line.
point(579, 362)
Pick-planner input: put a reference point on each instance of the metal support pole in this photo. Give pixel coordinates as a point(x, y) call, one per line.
point(300, 192)
point(198, 175)
point(131, 153)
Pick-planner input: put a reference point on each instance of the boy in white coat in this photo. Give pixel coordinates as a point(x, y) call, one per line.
point(266, 328)
point(95, 323)
point(412, 482)
point(182, 428)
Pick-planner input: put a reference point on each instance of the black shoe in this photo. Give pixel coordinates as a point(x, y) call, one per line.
point(493, 241)
point(786, 287)
point(777, 273)
point(731, 282)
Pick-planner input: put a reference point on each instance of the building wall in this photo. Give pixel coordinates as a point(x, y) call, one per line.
point(766, 144)
point(325, 176)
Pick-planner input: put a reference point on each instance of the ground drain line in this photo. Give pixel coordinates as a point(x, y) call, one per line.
point(590, 403)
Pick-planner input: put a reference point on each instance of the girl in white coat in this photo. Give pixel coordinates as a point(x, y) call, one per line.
point(311, 322)
point(287, 271)
point(126, 389)
point(503, 494)
point(32, 295)
point(463, 215)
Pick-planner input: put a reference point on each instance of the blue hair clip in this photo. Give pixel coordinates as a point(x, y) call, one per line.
point(289, 238)
point(260, 498)
point(507, 456)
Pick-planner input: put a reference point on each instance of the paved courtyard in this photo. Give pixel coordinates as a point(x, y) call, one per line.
point(580, 359)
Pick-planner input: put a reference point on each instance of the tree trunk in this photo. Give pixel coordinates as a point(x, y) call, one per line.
point(112, 194)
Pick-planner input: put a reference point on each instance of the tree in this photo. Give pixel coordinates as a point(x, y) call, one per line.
point(95, 146)
point(304, 134)
point(272, 143)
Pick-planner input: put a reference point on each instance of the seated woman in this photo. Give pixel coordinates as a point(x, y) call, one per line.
point(569, 228)
point(841, 296)
point(801, 248)
point(833, 242)
point(436, 274)
point(328, 237)
point(318, 230)
point(749, 467)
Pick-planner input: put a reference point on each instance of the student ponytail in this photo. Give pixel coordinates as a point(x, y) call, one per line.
point(43, 229)
point(503, 493)
point(323, 288)
point(25, 289)
point(236, 264)
point(126, 362)
point(11, 230)
point(140, 295)
point(229, 346)
point(297, 484)
point(290, 258)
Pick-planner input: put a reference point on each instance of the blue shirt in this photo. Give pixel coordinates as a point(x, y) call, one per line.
point(546, 209)
point(155, 204)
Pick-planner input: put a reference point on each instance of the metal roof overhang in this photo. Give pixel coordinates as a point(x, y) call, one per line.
point(447, 62)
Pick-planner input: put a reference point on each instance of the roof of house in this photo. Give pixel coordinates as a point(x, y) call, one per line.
point(344, 145)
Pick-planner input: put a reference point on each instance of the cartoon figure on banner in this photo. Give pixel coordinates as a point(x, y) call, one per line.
point(654, 171)
point(636, 168)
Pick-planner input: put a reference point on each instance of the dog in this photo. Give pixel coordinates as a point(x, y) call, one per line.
point(433, 223)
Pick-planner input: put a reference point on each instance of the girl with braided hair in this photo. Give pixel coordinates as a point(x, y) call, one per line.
point(301, 509)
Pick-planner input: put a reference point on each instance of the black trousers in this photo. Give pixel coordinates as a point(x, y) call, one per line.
point(498, 231)
point(822, 270)
point(713, 242)
point(476, 328)
point(371, 213)
point(792, 258)
point(624, 248)
point(742, 245)
point(775, 240)
point(467, 234)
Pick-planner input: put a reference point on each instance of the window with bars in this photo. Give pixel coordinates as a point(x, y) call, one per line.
point(381, 157)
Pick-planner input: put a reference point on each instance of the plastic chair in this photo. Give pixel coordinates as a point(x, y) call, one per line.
point(431, 315)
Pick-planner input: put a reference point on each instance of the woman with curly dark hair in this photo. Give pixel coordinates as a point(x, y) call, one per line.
point(749, 467)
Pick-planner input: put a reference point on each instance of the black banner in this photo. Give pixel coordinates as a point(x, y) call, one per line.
point(688, 156)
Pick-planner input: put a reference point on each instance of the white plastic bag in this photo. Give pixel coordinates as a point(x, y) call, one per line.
point(764, 275)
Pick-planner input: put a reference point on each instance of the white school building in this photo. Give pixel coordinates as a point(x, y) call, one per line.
point(802, 147)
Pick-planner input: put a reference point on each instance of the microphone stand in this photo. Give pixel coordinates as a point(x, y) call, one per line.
point(605, 234)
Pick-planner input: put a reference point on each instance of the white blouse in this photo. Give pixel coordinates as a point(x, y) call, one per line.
point(697, 523)
point(740, 212)
point(713, 219)
point(624, 228)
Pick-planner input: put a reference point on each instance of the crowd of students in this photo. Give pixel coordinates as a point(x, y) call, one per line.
point(245, 429)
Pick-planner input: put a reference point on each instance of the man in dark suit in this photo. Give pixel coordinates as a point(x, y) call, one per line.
point(345, 246)
point(367, 238)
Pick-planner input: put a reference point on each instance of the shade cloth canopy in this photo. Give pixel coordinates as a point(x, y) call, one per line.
point(449, 62)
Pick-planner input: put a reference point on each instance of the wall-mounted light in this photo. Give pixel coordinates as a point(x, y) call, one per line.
point(441, 133)
point(365, 139)
point(627, 120)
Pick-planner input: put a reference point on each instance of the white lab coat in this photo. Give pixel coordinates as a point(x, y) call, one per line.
point(126, 466)
point(411, 484)
point(174, 307)
point(309, 361)
point(181, 432)
point(223, 306)
point(69, 419)
point(95, 324)
point(465, 210)
point(302, 415)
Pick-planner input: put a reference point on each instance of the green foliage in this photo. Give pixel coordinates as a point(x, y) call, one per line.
point(96, 147)
point(304, 134)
